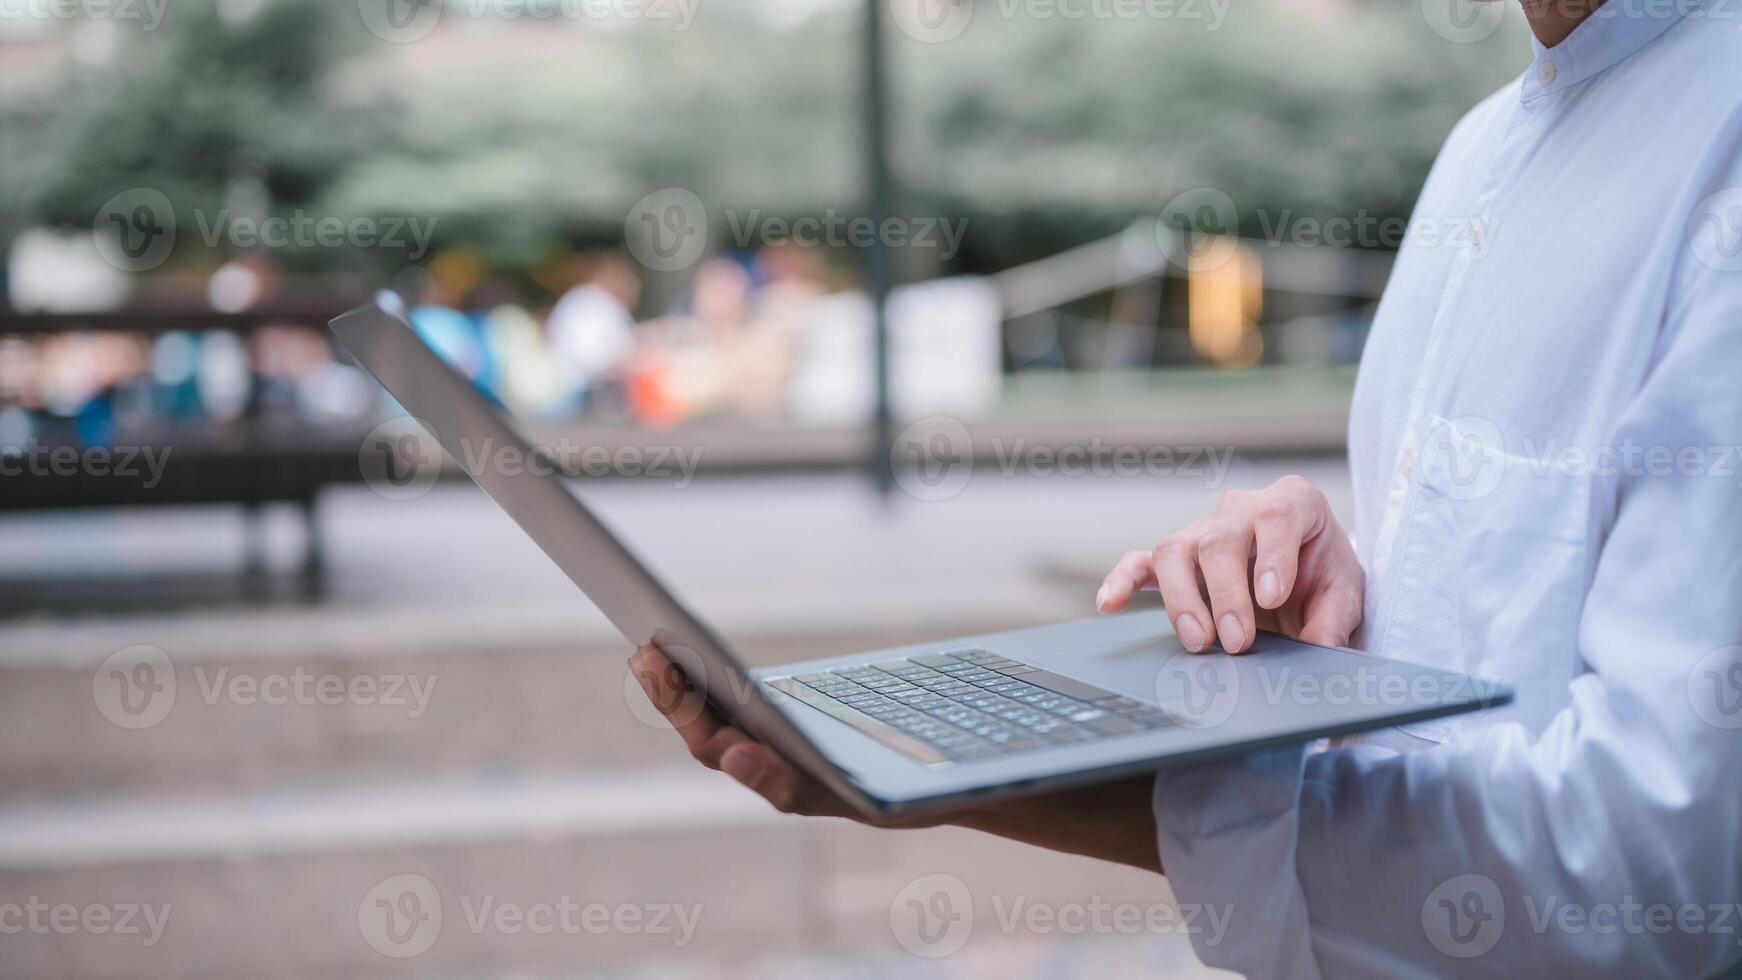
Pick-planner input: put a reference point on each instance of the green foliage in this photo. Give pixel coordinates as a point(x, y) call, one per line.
point(1041, 132)
point(187, 112)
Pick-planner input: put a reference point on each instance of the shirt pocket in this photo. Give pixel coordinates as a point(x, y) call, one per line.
point(1496, 565)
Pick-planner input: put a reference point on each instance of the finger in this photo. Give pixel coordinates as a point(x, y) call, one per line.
point(1332, 615)
point(1224, 556)
point(1291, 512)
point(1277, 530)
point(671, 695)
point(1175, 566)
point(779, 782)
point(1133, 572)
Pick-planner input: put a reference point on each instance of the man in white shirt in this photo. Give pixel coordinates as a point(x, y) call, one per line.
point(1547, 491)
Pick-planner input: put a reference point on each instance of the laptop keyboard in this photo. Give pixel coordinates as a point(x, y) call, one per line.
point(969, 705)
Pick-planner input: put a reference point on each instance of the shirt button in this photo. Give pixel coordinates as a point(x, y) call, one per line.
point(1546, 72)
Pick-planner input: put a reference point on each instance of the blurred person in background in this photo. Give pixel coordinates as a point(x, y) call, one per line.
point(731, 351)
point(1595, 303)
point(591, 328)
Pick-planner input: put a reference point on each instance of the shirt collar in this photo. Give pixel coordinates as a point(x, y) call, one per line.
point(1609, 36)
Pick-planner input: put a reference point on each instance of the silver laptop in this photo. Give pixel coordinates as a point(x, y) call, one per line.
point(938, 724)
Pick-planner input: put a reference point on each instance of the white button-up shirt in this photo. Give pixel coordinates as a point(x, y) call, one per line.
point(1548, 492)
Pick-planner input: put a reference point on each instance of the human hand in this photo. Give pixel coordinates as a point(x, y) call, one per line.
point(1111, 821)
point(1267, 559)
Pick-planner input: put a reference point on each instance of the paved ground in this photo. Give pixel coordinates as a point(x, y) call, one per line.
point(263, 829)
point(819, 551)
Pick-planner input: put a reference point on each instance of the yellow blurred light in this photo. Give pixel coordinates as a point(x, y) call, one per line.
point(1225, 300)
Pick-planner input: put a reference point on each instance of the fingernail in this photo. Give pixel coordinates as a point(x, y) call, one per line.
point(744, 766)
point(1190, 633)
point(1231, 634)
point(1268, 587)
point(1101, 599)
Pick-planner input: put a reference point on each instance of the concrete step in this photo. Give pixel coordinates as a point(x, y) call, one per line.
point(671, 872)
point(521, 675)
point(515, 689)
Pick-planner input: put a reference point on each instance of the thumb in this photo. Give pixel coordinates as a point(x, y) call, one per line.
point(1332, 617)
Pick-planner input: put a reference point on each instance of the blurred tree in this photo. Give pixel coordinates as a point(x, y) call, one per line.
point(513, 134)
point(213, 111)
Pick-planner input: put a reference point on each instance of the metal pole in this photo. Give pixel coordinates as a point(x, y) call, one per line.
point(877, 258)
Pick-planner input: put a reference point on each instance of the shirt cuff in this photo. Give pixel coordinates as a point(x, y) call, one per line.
point(1227, 833)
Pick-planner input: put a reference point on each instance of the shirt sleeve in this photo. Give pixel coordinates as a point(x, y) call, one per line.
point(1608, 844)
